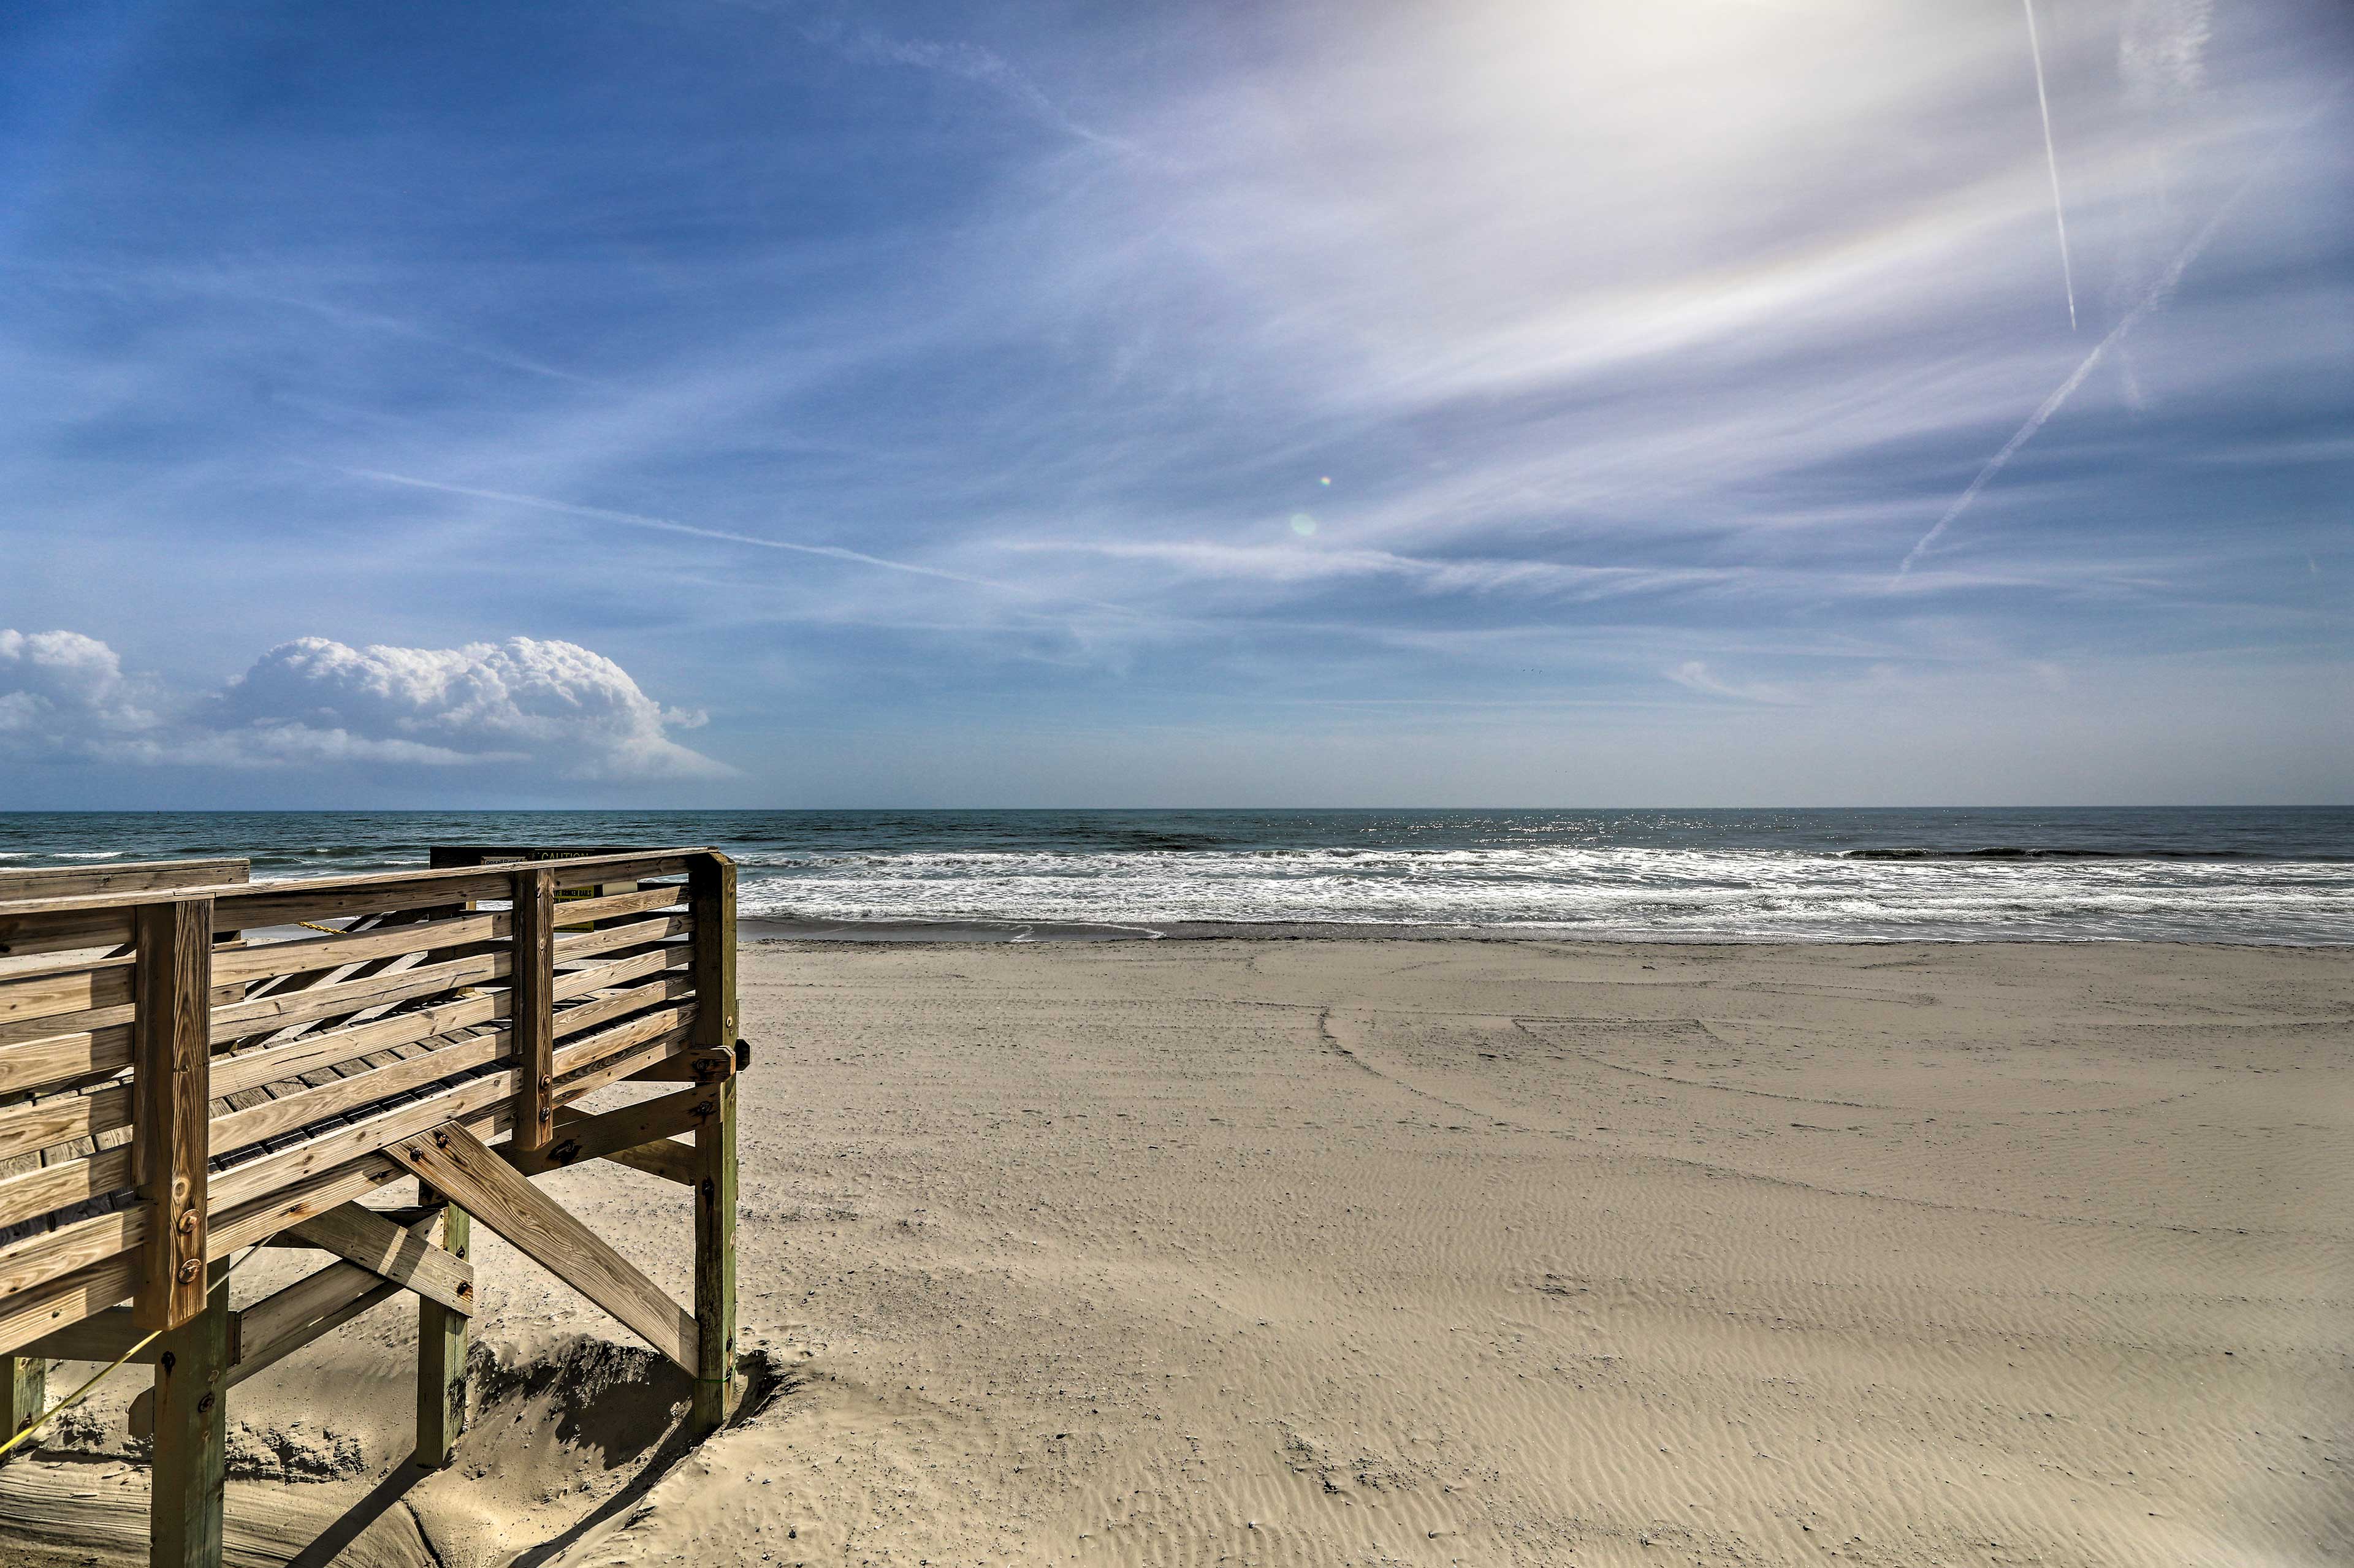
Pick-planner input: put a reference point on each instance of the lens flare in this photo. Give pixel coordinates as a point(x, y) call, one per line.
point(1302, 525)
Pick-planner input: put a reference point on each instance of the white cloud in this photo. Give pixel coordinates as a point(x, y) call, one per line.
point(1696, 674)
point(65, 695)
point(314, 701)
point(522, 700)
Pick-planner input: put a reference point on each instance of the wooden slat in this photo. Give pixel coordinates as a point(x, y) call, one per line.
point(665, 1156)
point(622, 1065)
point(28, 1314)
point(305, 1006)
point(571, 983)
point(37, 1259)
point(268, 959)
point(101, 1337)
point(579, 1136)
point(403, 1256)
point(32, 1125)
point(24, 934)
point(531, 991)
point(614, 905)
point(621, 1003)
point(33, 1192)
point(172, 1058)
point(273, 1063)
point(41, 1059)
point(132, 876)
point(271, 1119)
point(80, 990)
point(587, 944)
point(647, 1026)
point(458, 1163)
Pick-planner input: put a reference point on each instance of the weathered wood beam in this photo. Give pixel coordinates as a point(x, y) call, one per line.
point(605, 1135)
point(459, 1164)
point(24, 1394)
point(711, 900)
point(404, 1257)
point(442, 1355)
point(172, 1054)
point(531, 979)
point(665, 1156)
point(190, 1421)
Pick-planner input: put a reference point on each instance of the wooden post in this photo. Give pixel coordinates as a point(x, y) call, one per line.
point(172, 1065)
point(532, 1011)
point(191, 1421)
point(442, 1357)
point(24, 1394)
point(711, 898)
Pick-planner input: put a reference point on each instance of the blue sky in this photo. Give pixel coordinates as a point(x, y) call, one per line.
point(768, 404)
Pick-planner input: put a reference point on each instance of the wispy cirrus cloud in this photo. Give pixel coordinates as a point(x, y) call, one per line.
point(856, 369)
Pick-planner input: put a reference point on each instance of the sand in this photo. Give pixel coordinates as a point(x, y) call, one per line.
point(1428, 1253)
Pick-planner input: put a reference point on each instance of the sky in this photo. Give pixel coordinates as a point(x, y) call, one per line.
point(734, 403)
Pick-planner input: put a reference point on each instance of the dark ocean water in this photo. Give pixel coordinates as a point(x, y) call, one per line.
point(2204, 875)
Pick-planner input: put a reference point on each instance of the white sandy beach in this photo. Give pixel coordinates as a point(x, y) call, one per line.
point(1431, 1252)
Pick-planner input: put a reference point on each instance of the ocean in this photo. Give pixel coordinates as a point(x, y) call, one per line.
point(2269, 874)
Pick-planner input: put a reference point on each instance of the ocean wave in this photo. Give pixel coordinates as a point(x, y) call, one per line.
point(2065, 851)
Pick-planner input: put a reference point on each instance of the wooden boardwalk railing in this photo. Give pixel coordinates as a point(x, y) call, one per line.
point(191, 1063)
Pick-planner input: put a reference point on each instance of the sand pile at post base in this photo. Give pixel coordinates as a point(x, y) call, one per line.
point(1434, 1253)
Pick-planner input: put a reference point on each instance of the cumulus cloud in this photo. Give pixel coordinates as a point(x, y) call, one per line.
point(523, 700)
point(65, 695)
point(317, 702)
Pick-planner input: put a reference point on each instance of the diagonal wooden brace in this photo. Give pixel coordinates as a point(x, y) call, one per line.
point(471, 1175)
point(403, 1256)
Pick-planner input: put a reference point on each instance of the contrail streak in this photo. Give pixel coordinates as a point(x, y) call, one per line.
point(2051, 160)
point(2132, 318)
point(665, 526)
point(693, 531)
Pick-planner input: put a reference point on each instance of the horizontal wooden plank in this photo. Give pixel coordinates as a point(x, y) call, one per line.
point(591, 871)
point(587, 944)
point(43, 1058)
point(67, 959)
point(274, 1063)
point(130, 876)
point(77, 990)
point(102, 1336)
point(29, 1194)
point(593, 1047)
point(32, 1125)
point(281, 903)
point(582, 1136)
point(629, 1063)
point(69, 1299)
point(571, 983)
point(615, 905)
point(281, 1167)
point(665, 1157)
point(587, 1015)
point(279, 1011)
point(38, 1259)
point(271, 1118)
point(24, 934)
point(263, 959)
